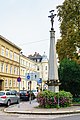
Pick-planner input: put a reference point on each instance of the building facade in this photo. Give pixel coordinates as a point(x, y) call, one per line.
point(42, 68)
point(9, 64)
point(27, 66)
point(14, 64)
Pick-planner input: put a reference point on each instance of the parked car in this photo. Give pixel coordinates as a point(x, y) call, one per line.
point(9, 97)
point(35, 92)
point(25, 95)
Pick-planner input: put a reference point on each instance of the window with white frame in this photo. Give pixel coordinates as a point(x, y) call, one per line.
point(10, 83)
point(15, 57)
point(23, 62)
point(15, 70)
point(11, 54)
point(23, 72)
point(45, 67)
point(29, 64)
point(2, 51)
point(14, 83)
point(6, 68)
point(6, 83)
point(38, 68)
point(11, 69)
point(2, 67)
point(7, 53)
point(26, 63)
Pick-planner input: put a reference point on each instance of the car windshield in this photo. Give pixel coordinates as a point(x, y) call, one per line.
point(23, 91)
point(34, 91)
point(2, 93)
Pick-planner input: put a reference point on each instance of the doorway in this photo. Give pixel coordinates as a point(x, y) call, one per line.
point(1, 84)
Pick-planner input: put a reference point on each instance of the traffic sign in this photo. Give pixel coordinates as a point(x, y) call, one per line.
point(40, 80)
point(32, 76)
point(18, 79)
point(28, 77)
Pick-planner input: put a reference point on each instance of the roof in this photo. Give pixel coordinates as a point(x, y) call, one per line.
point(9, 42)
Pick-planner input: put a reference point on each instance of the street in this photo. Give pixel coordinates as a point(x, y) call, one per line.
point(6, 116)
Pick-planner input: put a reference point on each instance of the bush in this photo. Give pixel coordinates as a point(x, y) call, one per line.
point(49, 99)
point(76, 100)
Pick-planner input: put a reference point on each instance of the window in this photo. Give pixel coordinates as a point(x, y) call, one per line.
point(2, 51)
point(6, 83)
point(15, 57)
point(15, 71)
point(10, 83)
point(14, 83)
point(38, 60)
point(7, 52)
point(8, 93)
point(23, 62)
point(10, 54)
point(6, 68)
point(37, 67)
point(23, 72)
point(2, 67)
point(10, 69)
point(45, 67)
point(26, 63)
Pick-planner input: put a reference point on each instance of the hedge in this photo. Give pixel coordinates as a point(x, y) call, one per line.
point(49, 99)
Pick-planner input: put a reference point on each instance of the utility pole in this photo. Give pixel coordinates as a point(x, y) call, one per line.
point(19, 78)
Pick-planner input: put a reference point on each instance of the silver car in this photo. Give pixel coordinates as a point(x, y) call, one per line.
point(9, 97)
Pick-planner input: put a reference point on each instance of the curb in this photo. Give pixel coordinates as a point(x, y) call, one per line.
point(42, 113)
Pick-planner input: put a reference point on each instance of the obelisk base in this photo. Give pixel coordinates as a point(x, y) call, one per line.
point(53, 85)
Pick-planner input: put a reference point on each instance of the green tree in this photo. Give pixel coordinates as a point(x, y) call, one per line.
point(69, 18)
point(69, 76)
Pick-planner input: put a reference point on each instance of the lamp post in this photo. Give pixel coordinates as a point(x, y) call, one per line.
point(19, 70)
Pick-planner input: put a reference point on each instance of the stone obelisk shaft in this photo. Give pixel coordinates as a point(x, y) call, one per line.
point(53, 70)
point(53, 81)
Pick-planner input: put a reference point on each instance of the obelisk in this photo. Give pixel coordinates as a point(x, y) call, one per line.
point(53, 80)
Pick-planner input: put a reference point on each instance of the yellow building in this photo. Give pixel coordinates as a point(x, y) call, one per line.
point(9, 64)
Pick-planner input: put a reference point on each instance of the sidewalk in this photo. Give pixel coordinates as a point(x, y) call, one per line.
point(27, 108)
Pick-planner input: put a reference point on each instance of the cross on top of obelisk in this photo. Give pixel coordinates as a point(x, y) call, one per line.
point(52, 18)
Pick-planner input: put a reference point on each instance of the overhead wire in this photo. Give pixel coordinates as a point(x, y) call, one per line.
point(34, 42)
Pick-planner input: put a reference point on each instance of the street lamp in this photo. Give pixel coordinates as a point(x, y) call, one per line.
point(19, 79)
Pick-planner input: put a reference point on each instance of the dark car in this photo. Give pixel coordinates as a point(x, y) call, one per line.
point(25, 95)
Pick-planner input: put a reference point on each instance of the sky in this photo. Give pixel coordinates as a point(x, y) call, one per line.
point(26, 24)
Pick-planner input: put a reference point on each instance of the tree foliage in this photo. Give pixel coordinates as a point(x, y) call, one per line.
point(69, 75)
point(69, 18)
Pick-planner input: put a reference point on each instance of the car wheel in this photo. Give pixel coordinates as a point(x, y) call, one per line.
point(8, 103)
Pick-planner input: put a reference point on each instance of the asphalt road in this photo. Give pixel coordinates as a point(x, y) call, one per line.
point(38, 117)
